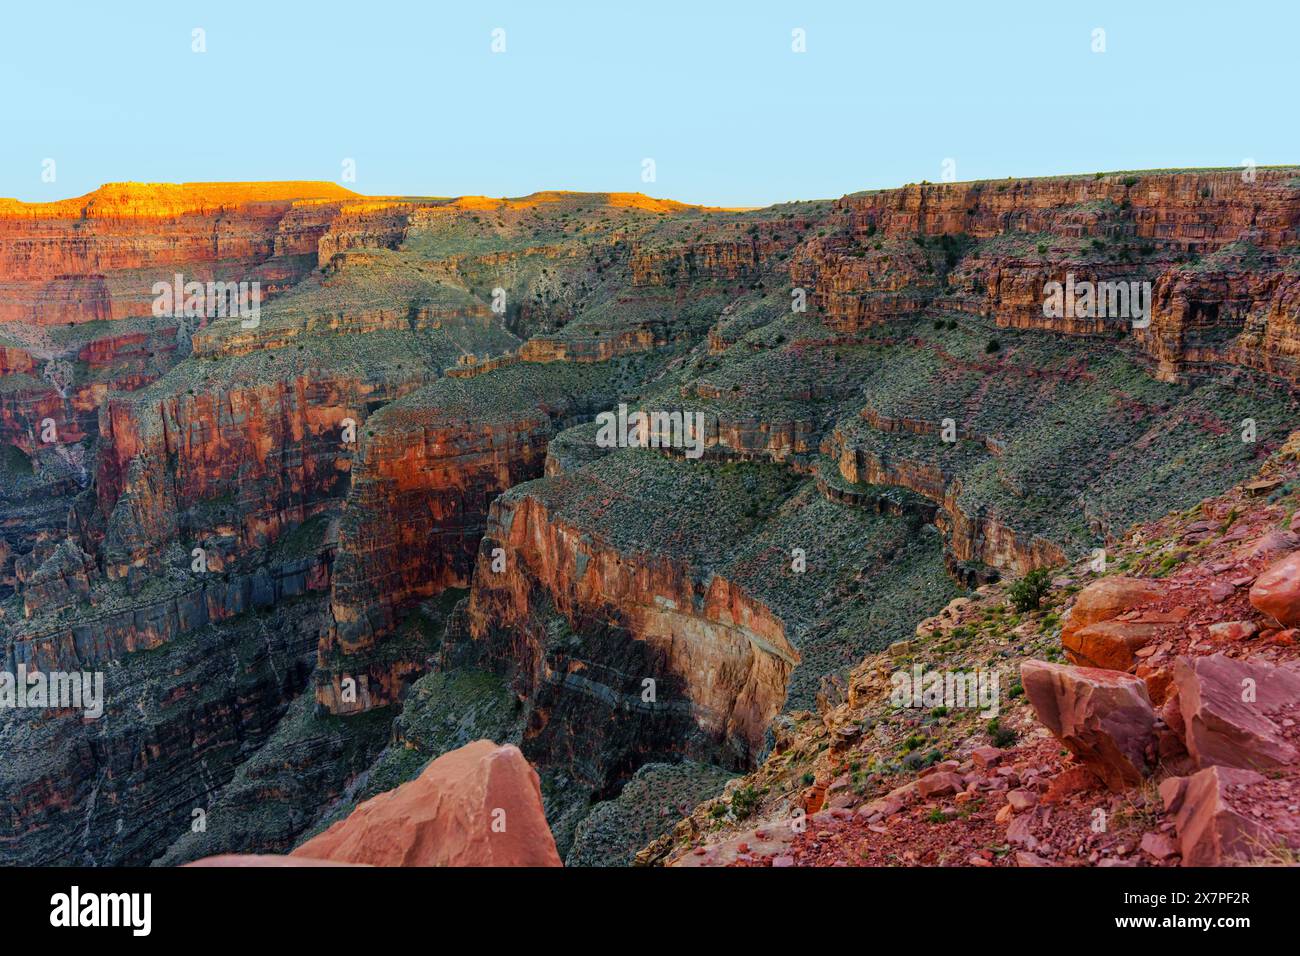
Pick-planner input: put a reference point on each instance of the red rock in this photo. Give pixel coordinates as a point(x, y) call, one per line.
point(1104, 717)
point(1272, 545)
point(987, 757)
point(1019, 831)
point(1158, 680)
point(1276, 592)
point(1220, 728)
point(945, 766)
point(907, 793)
point(1111, 645)
point(1171, 713)
point(480, 805)
point(880, 808)
point(1233, 630)
point(1025, 858)
point(782, 861)
point(940, 785)
point(813, 799)
point(1108, 598)
point(1211, 829)
point(1020, 800)
point(1158, 845)
point(1069, 782)
point(1220, 591)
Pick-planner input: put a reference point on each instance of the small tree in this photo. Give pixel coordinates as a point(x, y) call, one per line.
point(1027, 593)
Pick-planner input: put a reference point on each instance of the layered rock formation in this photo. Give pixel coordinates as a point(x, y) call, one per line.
point(859, 411)
point(1215, 244)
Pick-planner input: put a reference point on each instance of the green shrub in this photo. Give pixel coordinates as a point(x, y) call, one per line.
point(1001, 736)
point(1027, 593)
point(744, 802)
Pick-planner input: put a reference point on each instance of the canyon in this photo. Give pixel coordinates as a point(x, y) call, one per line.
point(315, 557)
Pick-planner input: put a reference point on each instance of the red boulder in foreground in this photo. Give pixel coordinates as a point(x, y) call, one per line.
point(1104, 717)
point(1210, 810)
point(1276, 592)
point(1092, 637)
point(480, 805)
point(1234, 713)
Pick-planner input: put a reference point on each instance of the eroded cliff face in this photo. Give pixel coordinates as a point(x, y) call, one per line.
point(970, 538)
point(1218, 246)
point(670, 661)
point(179, 721)
point(232, 469)
point(426, 475)
point(193, 483)
point(94, 258)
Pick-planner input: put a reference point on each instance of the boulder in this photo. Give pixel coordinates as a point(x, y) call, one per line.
point(1109, 598)
point(1104, 717)
point(1092, 637)
point(1232, 630)
point(1069, 782)
point(1158, 845)
point(1276, 592)
point(1021, 800)
point(1212, 829)
point(941, 784)
point(480, 805)
point(986, 757)
point(1110, 645)
point(1272, 545)
point(1227, 709)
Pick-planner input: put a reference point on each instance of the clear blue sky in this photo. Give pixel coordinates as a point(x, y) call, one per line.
point(585, 91)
